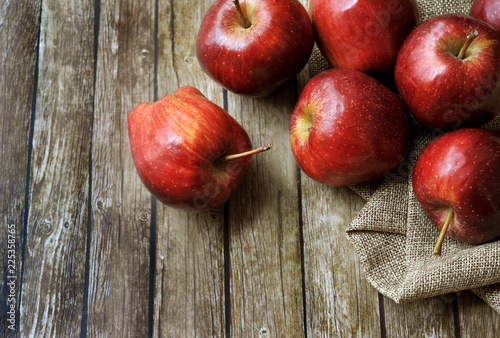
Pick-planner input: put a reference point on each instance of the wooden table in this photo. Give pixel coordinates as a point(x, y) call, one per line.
point(96, 255)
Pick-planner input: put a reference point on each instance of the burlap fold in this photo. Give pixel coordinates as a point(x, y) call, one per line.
point(394, 238)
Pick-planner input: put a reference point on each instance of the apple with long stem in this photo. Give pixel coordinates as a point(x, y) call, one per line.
point(456, 179)
point(348, 128)
point(253, 47)
point(448, 72)
point(487, 11)
point(189, 152)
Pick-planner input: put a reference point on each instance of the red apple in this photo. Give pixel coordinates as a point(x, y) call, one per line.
point(456, 179)
point(448, 72)
point(348, 128)
point(363, 35)
point(487, 11)
point(254, 48)
point(188, 152)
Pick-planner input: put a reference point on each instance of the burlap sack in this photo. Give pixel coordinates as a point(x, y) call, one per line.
point(393, 236)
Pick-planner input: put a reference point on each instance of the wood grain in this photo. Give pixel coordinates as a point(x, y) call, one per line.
point(189, 280)
point(19, 31)
point(264, 232)
point(475, 317)
point(121, 206)
point(432, 317)
point(340, 302)
point(54, 266)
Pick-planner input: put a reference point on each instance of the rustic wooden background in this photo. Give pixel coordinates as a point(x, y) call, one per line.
point(97, 256)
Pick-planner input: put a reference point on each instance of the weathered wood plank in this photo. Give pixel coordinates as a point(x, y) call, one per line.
point(19, 31)
point(340, 302)
point(189, 289)
point(121, 206)
point(432, 317)
point(475, 317)
point(189, 281)
point(54, 267)
point(264, 232)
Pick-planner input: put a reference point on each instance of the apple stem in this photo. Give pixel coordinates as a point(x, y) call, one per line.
point(444, 229)
point(246, 22)
point(474, 34)
point(247, 153)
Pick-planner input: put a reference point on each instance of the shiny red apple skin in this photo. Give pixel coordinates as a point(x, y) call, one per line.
point(443, 91)
point(487, 11)
point(255, 61)
point(176, 144)
point(348, 128)
point(461, 170)
point(363, 35)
